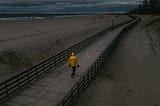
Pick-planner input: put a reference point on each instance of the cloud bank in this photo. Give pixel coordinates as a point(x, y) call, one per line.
point(66, 6)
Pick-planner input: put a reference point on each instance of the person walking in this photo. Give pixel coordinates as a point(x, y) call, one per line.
point(73, 62)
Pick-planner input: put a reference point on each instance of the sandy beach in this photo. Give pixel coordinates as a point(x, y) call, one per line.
point(131, 75)
point(24, 43)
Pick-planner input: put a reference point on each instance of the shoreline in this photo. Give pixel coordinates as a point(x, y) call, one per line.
point(14, 17)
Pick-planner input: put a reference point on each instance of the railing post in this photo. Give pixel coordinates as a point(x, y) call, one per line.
point(60, 57)
point(63, 103)
point(49, 64)
point(83, 82)
point(36, 71)
point(28, 76)
point(43, 68)
point(6, 87)
point(79, 46)
point(93, 71)
point(92, 74)
point(78, 90)
point(88, 78)
point(18, 82)
point(71, 97)
point(55, 61)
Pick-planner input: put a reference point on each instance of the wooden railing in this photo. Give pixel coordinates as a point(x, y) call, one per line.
point(84, 81)
point(15, 83)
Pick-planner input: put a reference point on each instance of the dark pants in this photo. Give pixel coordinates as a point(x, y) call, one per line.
point(73, 71)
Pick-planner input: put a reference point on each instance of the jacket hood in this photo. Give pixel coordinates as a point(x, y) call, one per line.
point(72, 54)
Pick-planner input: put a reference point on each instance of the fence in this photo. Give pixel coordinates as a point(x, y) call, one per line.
point(13, 84)
point(80, 86)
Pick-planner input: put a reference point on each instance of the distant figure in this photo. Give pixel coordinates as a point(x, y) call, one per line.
point(73, 63)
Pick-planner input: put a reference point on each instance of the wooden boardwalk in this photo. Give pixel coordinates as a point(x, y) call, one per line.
point(50, 88)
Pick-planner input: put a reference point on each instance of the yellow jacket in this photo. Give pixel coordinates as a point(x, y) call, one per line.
point(73, 60)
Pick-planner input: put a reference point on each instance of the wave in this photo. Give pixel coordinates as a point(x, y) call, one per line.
point(20, 18)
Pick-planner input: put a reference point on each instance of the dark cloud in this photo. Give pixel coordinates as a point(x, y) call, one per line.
point(53, 6)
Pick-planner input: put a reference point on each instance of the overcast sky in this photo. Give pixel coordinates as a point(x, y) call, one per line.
point(66, 6)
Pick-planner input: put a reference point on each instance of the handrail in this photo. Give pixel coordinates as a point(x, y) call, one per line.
point(84, 81)
point(16, 82)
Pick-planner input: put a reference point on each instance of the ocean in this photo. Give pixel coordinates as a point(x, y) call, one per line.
point(20, 18)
